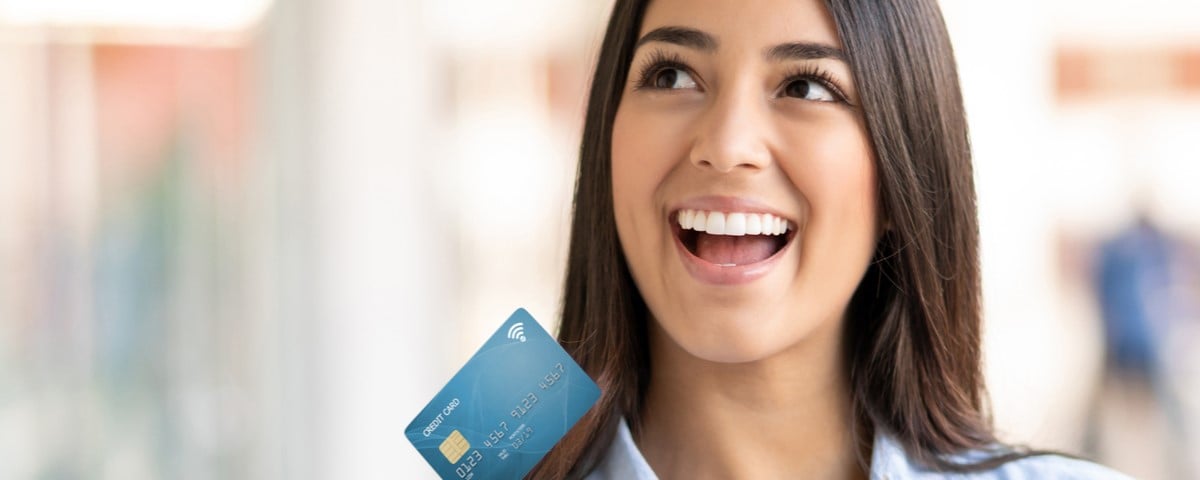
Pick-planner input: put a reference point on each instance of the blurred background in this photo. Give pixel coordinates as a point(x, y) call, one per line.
point(251, 238)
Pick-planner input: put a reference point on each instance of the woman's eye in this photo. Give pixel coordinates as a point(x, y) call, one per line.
point(809, 90)
point(672, 78)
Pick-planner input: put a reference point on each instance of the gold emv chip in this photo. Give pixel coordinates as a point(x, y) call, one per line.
point(454, 446)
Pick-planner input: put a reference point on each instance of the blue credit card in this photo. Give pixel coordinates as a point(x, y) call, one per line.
point(500, 414)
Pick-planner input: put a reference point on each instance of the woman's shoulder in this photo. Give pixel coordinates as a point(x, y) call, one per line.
point(1054, 466)
point(889, 462)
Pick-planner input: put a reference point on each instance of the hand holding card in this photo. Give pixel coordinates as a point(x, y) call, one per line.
point(504, 410)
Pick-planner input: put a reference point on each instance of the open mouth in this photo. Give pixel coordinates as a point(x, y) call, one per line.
point(731, 239)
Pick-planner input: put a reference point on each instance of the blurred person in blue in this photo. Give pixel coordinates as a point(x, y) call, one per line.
point(1139, 275)
point(773, 269)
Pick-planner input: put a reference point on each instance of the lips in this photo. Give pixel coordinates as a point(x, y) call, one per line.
point(730, 246)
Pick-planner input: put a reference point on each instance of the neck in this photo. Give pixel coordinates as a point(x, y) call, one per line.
point(786, 416)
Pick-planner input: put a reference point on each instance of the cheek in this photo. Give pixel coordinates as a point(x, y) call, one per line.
point(631, 187)
point(641, 160)
point(835, 173)
point(625, 149)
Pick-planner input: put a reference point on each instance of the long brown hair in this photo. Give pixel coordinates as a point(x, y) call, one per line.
point(912, 332)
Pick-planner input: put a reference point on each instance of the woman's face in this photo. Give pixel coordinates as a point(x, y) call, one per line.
point(743, 179)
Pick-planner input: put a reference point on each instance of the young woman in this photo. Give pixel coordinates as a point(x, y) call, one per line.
point(773, 268)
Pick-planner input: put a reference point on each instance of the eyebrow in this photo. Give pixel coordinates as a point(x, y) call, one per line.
point(804, 51)
point(692, 38)
point(685, 37)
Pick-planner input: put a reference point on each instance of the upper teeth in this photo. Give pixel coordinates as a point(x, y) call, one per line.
point(735, 224)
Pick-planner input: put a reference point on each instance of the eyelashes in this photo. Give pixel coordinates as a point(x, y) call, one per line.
point(660, 60)
point(819, 75)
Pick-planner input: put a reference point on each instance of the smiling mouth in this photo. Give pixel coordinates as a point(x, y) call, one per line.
point(731, 239)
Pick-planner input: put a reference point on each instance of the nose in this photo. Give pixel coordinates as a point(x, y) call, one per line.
point(732, 134)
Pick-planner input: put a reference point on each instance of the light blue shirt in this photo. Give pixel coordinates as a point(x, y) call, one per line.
point(888, 462)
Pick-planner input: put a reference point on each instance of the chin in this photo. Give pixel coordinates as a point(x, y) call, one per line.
point(740, 337)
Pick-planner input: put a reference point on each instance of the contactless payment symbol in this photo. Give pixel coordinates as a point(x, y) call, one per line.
point(506, 408)
point(454, 447)
point(517, 331)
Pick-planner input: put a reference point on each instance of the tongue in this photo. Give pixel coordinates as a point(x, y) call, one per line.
point(725, 250)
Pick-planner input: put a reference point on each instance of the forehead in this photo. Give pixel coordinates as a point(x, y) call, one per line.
point(747, 23)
